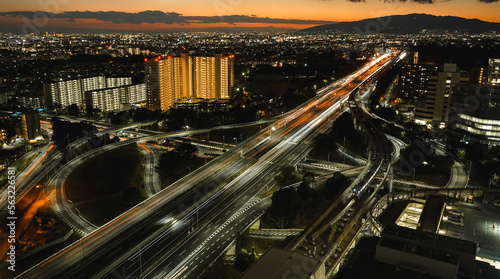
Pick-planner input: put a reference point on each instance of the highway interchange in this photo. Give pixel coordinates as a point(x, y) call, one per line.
point(183, 228)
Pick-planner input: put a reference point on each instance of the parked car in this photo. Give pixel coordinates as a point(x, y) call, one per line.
point(456, 213)
point(456, 222)
point(455, 218)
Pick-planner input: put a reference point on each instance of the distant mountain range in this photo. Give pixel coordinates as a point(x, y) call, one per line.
point(409, 24)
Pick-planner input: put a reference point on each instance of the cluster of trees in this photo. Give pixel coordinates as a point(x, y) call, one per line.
point(484, 161)
point(422, 157)
point(295, 207)
point(244, 259)
point(176, 163)
point(66, 131)
point(342, 128)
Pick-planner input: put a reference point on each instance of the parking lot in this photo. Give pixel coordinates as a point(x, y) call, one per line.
point(481, 224)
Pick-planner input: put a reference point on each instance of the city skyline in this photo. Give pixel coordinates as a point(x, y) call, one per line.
point(232, 139)
point(198, 15)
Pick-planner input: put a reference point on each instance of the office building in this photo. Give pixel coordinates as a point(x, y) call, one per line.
point(66, 93)
point(475, 112)
point(31, 130)
point(24, 125)
point(494, 71)
point(171, 78)
point(413, 80)
point(434, 107)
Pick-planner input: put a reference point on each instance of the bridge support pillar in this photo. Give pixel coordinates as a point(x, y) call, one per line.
point(231, 251)
point(255, 225)
point(390, 178)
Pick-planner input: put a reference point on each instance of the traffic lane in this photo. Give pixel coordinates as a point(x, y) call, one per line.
point(212, 172)
point(263, 180)
point(183, 228)
point(192, 251)
point(132, 237)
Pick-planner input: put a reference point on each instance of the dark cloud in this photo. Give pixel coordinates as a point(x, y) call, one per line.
point(417, 1)
point(488, 1)
point(423, 1)
point(158, 17)
point(26, 14)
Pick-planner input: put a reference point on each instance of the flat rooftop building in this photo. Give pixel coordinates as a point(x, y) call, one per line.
point(437, 255)
point(278, 263)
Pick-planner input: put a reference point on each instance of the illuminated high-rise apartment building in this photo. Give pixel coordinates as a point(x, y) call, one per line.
point(115, 98)
point(160, 82)
point(171, 78)
point(185, 67)
point(66, 93)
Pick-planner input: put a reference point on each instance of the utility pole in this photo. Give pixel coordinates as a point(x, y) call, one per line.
point(345, 150)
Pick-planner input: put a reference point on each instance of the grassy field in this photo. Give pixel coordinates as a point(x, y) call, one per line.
point(96, 187)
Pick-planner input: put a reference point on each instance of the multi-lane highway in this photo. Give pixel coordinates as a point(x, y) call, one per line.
point(231, 180)
point(23, 184)
point(47, 161)
point(70, 214)
point(334, 230)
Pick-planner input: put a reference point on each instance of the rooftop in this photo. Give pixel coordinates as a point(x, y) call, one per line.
point(277, 263)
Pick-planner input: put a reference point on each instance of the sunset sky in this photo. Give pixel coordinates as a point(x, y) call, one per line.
point(65, 15)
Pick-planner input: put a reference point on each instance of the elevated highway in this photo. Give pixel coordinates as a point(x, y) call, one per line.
point(192, 204)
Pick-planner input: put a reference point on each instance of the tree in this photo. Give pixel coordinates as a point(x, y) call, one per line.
point(244, 260)
point(284, 208)
point(335, 184)
point(66, 131)
point(304, 189)
point(288, 173)
point(73, 109)
point(186, 149)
